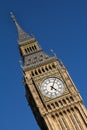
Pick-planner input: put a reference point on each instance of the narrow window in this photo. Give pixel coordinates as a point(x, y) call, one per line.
point(64, 112)
point(48, 106)
point(68, 100)
point(30, 48)
point(60, 103)
point(32, 73)
point(72, 109)
point(43, 70)
point(57, 115)
point(61, 113)
point(36, 72)
point(53, 66)
point(35, 47)
point(46, 68)
point(64, 102)
point(68, 110)
point(53, 105)
point(53, 116)
point(56, 103)
point(26, 50)
point(39, 71)
point(71, 98)
point(50, 67)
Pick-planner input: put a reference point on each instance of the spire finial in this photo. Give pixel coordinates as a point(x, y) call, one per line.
point(12, 16)
point(53, 52)
point(22, 35)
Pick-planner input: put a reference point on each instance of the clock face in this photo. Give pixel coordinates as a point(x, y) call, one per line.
point(52, 87)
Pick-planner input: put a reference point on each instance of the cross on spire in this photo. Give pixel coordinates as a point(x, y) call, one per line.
point(22, 35)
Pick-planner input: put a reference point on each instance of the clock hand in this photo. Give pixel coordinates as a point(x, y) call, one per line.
point(53, 88)
point(54, 81)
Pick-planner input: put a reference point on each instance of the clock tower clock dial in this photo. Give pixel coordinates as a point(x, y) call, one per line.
point(52, 87)
point(50, 92)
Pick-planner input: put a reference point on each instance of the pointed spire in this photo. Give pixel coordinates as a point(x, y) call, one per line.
point(22, 35)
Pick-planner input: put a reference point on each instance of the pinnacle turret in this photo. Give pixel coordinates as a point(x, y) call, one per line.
point(22, 35)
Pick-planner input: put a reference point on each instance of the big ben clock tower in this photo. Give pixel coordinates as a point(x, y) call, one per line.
point(50, 91)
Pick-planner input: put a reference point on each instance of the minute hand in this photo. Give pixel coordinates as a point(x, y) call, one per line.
point(54, 81)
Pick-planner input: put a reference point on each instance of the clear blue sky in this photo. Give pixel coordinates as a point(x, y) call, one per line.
point(57, 24)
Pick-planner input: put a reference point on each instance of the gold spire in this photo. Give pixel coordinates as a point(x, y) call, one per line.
point(22, 35)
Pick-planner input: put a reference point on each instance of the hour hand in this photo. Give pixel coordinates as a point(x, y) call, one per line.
point(53, 88)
